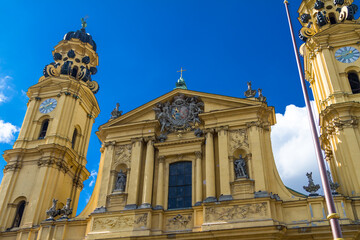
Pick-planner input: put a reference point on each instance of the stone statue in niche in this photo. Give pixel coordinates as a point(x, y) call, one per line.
point(240, 168)
point(120, 182)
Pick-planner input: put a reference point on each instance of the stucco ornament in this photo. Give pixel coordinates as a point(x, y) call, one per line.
point(236, 212)
point(121, 222)
point(179, 222)
point(182, 114)
point(123, 155)
point(312, 188)
point(238, 139)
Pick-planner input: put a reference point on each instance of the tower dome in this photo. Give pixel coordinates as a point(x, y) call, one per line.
point(75, 56)
point(318, 15)
point(82, 35)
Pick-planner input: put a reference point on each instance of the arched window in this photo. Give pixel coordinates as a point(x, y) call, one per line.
point(180, 185)
point(73, 141)
point(354, 82)
point(19, 214)
point(332, 18)
point(44, 127)
point(74, 71)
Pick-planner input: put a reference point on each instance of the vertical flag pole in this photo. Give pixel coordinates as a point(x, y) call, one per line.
point(333, 216)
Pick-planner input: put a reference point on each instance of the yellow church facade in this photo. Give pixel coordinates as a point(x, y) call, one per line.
point(188, 164)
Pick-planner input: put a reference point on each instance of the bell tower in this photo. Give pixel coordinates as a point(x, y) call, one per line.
point(49, 157)
point(331, 60)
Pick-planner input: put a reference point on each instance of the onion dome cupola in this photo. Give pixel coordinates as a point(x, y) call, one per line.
point(318, 15)
point(76, 57)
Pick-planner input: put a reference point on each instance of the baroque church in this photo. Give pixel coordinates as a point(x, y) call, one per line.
point(186, 165)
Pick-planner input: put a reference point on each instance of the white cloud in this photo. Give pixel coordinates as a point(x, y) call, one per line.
point(88, 196)
point(93, 176)
point(293, 147)
point(7, 132)
point(6, 89)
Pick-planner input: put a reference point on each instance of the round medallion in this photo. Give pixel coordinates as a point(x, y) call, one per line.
point(347, 54)
point(48, 105)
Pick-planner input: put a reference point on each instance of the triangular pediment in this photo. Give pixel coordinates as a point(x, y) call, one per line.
point(212, 103)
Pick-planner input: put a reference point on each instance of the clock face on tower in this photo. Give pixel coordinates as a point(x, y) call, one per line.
point(48, 105)
point(347, 54)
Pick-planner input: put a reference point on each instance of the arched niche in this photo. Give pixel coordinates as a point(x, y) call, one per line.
point(241, 164)
point(120, 178)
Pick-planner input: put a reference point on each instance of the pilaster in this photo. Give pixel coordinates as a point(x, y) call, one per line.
point(210, 167)
point(225, 192)
point(149, 175)
point(106, 173)
point(134, 181)
point(198, 177)
point(160, 186)
point(256, 165)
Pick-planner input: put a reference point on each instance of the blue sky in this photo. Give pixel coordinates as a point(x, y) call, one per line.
point(142, 43)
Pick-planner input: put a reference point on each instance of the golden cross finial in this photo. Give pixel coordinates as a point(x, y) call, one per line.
point(181, 71)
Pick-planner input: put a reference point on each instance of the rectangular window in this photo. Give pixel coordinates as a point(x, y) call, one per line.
point(180, 186)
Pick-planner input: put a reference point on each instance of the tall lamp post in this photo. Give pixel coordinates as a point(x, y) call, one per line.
point(333, 216)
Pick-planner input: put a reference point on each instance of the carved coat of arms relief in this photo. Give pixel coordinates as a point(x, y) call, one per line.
point(182, 114)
